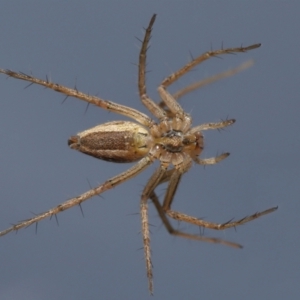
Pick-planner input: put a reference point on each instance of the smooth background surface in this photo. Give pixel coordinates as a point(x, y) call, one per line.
point(92, 44)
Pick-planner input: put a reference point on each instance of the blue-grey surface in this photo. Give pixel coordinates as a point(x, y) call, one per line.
point(92, 44)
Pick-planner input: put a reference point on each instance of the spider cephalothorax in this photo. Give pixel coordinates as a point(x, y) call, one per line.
point(172, 140)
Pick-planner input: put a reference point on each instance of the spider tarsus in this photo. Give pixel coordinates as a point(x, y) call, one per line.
point(152, 21)
point(272, 209)
point(251, 47)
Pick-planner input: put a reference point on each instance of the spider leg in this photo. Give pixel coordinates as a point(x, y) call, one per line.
point(174, 179)
point(179, 233)
point(150, 186)
point(107, 185)
point(107, 105)
point(168, 99)
point(173, 176)
point(160, 176)
point(175, 76)
point(217, 226)
point(211, 160)
point(206, 81)
point(150, 104)
point(207, 126)
point(171, 103)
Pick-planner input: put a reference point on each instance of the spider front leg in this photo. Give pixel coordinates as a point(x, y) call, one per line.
point(211, 160)
point(205, 56)
point(208, 126)
point(206, 81)
point(169, 100)
point(154, 108)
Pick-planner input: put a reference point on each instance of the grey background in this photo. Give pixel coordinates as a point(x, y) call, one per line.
point(92, 44)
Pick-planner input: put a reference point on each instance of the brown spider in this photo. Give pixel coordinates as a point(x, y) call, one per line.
point(172, 140)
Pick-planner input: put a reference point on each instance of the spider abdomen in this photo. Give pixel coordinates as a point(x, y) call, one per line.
point(118, 141)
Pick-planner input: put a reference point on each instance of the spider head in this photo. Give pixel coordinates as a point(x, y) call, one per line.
point(175, 140)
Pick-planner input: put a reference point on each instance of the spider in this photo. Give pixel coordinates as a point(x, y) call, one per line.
point(171, 140)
